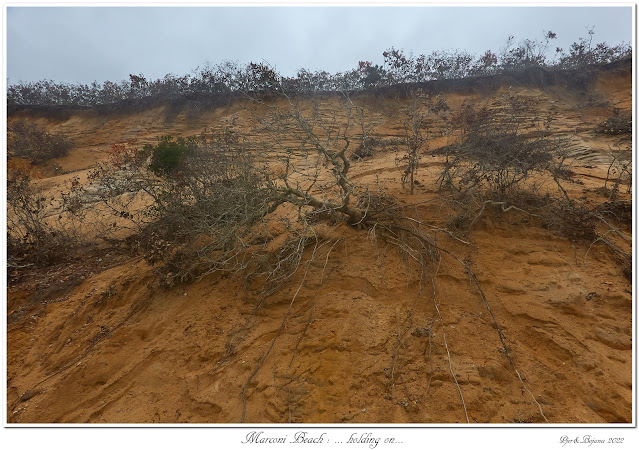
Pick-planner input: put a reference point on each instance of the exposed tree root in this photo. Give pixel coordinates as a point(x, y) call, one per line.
point(312, 309)
point(450, 362)
point(503, 342)
point(426, 242)
point(257, 368)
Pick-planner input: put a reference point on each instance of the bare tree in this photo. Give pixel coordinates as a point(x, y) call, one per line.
point(416, 118)
point(313, 144)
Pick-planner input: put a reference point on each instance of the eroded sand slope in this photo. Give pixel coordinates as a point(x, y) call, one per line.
point(355, 336)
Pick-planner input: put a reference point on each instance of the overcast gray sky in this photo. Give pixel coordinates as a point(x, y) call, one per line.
point(83, 44)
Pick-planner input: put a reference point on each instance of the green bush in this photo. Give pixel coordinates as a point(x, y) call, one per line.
point(168, 155)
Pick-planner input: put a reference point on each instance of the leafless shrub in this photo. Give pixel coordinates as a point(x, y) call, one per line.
point(583, 53)
point(417, 116)
point(616, 125)
point(192, 202)
point(195, 203)
point(32, 241)
point(366, 148)
point(27, 141)
point(414, 139)
point(502, 163)
point(312, 145)
point(496, 153)
point(201, 205)
point(619, 173)
point(572, 220)
point(618, 210)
